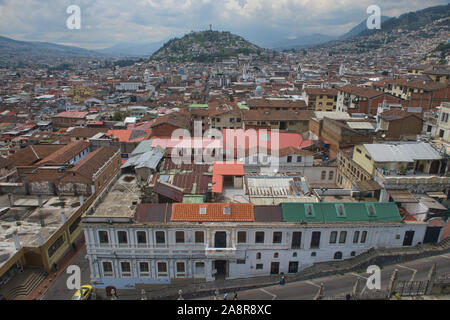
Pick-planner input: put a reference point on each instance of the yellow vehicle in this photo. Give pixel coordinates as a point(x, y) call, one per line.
point(84, 293)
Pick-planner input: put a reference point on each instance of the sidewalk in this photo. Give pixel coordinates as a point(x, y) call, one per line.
point(40, 291)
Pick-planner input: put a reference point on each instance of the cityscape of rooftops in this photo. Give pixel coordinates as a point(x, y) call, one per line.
point(252, 152)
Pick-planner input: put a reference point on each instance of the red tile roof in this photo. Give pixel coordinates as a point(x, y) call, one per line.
point(72, 114)
point(242, 212)
point(361, 91)
point(133, 135)
point(264, 139)
point(64, 154)
point(221, 169)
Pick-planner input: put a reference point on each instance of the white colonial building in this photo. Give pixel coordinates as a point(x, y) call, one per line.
point(165, 243)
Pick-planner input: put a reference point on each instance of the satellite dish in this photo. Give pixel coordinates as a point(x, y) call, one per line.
point(383, 135)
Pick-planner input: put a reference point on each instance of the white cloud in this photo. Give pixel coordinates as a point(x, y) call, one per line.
point(112, 21)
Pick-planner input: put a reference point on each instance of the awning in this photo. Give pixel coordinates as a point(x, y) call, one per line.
point(367, 185)
point(402, 196)
point(431, 203)
point(439, 195)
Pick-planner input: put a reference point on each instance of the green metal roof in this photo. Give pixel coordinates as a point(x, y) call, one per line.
point(193, 199)
point(196, 105)
point(341, 212)
point(242, 106)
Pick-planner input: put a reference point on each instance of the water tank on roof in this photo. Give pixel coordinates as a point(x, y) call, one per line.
point(259, 91)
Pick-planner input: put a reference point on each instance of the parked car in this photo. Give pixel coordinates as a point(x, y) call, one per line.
point(84, 293)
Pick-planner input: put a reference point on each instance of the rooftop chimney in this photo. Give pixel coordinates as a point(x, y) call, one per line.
point(63, 218)
point(11, 199)
point(40, 240)
point(16, 241)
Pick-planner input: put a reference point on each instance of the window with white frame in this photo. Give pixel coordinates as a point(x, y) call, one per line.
point(160, 237)
point(356, 237)
point(125, 269)
point(107, 269)
point(242, 236)
point(363, 237)
point(179, 236)
point(200, 268)
point(162, 269)
point(122, 237)
point(181, 269)
point(333, 236)
point(342, 236)
point(144, 269)
point(103, 237)
point(141, 237)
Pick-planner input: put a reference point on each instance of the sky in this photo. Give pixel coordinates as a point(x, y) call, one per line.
point(108, 22)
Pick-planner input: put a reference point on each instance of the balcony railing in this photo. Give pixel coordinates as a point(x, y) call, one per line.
point(220, 252)
point(407, 174)
point(393, 178)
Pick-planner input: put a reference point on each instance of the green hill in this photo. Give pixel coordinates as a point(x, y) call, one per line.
point(413, 20)
point(205, 46)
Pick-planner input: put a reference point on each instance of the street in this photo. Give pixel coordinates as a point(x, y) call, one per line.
point(342, 284)
point(303, 290)
point(58, 290)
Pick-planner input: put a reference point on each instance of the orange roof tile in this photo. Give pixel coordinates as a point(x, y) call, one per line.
point(242, 212)
point(132, 135)
point(221, 169)
point(122, 135)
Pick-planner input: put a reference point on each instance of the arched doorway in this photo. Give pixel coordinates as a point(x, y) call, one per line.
point(338, 255)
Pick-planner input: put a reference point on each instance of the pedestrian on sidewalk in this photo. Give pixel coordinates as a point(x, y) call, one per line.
point(235, 295)
point(225, 296)
point(180, 297)
point(143, 295)
point(282, 281)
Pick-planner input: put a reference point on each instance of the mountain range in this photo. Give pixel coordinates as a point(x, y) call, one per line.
point(13, 50)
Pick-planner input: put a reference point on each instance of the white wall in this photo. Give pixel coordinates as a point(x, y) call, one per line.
point(377, 236)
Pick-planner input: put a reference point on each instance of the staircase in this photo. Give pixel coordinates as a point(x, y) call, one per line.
point(24, 286)
point(444, 244)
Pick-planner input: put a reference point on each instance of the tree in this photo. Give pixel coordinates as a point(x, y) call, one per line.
point(118, 116)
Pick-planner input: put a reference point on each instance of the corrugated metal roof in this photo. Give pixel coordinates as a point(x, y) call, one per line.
point(387, 153)
point(151, 212)
point(143, 146)
point(351, 212)
point(193, 199)
point(402, 152)
point(268, 214)
point(149, 159)
point(402, 196)
point(420, 151)
point(361, 125)
point(168, 191)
